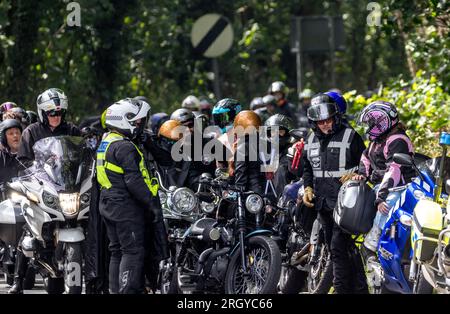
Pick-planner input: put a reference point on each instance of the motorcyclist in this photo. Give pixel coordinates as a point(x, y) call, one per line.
point(156, 120)
point(52, 106)
point(198, 163)
point(259, 107)
point(192, 103)
point(126, 194)
point(387, 136)
point(206, 108)
point(246, 164)
point(305, 101)
point(6, 106)
point(282, 175)
point(280, 91)
point(10, 133)
point(332, 153)
point(32, 117)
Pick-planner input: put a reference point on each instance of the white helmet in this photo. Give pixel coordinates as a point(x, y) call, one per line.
point(191, 102)
point(51, 99)
point(122, 116)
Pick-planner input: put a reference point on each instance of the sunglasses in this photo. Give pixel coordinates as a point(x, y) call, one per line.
point(54, 113)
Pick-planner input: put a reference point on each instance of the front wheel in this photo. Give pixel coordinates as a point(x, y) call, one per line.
point(421, 285)
point(73, 278)
point(292, 280)
point(320, 276)
point(263, 261)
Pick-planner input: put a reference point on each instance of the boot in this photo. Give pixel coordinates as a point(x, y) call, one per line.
point(17, 287)
point(19, 273)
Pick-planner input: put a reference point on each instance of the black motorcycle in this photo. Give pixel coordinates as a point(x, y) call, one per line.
point(230, 254)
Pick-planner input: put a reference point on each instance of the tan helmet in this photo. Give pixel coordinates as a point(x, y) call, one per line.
point(247, 119)
point(171, 129)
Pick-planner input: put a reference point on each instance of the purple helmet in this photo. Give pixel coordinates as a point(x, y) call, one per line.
point(7, 106)
point(379, 117)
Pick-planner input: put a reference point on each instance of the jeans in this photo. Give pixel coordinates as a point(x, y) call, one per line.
point(392, 198)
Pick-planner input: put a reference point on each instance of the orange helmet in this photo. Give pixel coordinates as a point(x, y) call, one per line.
point(246, 119)
point(169, 130)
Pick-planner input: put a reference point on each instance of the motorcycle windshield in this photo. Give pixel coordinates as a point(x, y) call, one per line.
point(63, 161)
point(431, 167)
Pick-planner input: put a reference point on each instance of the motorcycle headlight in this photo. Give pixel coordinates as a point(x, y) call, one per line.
point(184, 200)
point(207, 207)
point(162, 197)
point(50, 200)
point(85, 198)
point(69, 203)
point(254, 203)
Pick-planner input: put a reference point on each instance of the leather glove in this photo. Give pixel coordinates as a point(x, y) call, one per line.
point(308, 196)
point(347, 177)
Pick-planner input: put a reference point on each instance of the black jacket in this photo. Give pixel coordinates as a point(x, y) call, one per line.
point(288, 109)
point(247, 166)
point(9, 166)
point(322, 166)
point(129, 197)
point(38, 131)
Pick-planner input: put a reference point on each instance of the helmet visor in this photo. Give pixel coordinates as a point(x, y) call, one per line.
point(322, 111)
point(222, 119)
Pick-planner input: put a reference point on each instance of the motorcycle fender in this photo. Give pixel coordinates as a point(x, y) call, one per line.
point(70, 235)
point(251, 234)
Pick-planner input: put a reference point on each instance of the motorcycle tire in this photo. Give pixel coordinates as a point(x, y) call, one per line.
point(273, 269)
point(292, 280)
point(320, 280)
point(422, 286)
point(54, 285)
point(30, 279)
point(73, 275)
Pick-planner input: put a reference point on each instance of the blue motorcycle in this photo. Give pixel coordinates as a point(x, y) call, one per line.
point(394, 248)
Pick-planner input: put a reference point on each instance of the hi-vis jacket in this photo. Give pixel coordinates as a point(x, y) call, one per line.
point(327, 159)
point(126, 186)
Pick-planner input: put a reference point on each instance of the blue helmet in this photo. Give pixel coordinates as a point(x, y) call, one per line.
point(339, 100)
point(224, 113)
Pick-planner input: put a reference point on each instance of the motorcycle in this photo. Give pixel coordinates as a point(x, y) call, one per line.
point(54, 197)
point(231, 254)
point(430, 232)
point(394, 247)
point(181, 207)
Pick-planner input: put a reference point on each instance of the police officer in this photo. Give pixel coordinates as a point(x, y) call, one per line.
point(52, 106)
point(332, 153)
point(126, 193)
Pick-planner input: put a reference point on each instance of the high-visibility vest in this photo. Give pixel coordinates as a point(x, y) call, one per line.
point(103, 164)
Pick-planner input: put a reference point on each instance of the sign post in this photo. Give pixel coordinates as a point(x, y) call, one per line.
point(212, 36)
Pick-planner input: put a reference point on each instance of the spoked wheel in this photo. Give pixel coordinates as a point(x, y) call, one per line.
point(320, 277)
point(263, 261)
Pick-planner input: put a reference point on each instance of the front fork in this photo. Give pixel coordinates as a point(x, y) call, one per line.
point(241, 229)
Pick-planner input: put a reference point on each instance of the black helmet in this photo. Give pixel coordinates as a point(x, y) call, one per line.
point(281, 121)
point(21, 114)
point(6, 125)
point(322, 108)
point(184, 116)
point(355, 208)
point(224, 113)
point(32, 116)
